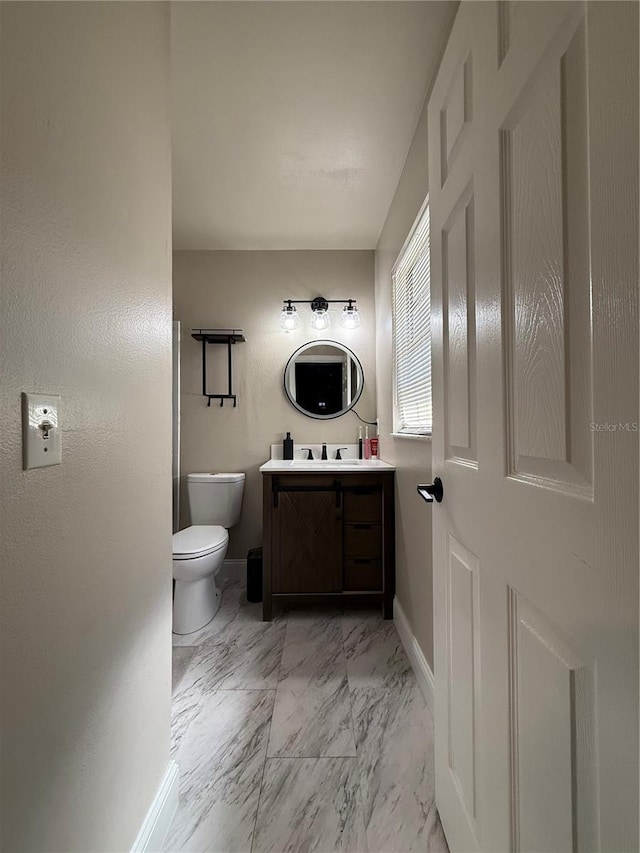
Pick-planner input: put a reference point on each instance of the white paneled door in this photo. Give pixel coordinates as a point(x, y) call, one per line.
point(533, 124)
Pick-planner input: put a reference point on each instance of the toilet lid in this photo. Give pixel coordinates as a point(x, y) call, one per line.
point(215, 478)
point(199, 539)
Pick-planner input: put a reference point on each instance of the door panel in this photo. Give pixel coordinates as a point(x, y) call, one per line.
point(458, 283)
point(463, 675)
point(456, 115)
point(534, 276)
point(514, 26)
point(552, 737)
point(545, 239)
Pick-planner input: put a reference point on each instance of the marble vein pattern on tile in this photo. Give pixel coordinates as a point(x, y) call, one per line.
point(181, 657)
point(245, 656)
point(313, 626)
point(312, 712)
point(221, 761)
point(394, 739)
point(374, 653)
point(185, 706)
point(311, 805)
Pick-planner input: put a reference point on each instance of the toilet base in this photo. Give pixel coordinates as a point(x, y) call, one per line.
point(195, 603)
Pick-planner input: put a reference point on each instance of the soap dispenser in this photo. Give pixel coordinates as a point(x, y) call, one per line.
point(287, 447)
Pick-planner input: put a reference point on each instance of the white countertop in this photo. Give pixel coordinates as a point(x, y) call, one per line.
point(305, 466)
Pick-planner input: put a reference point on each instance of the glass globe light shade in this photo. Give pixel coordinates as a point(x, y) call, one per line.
point(289, 318)
point(320, 320)
point(350, 318)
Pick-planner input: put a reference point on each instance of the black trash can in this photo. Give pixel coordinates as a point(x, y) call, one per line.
point(254, 575)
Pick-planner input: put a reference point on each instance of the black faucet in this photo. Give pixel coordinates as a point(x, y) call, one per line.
point(324, 450)
point(309, 453)
point(338, 454)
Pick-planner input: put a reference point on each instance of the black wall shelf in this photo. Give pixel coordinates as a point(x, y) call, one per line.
point(230, 337)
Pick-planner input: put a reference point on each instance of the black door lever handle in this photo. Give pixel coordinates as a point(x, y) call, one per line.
point(432, 491)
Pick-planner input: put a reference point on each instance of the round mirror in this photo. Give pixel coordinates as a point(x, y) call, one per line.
point(323, 379)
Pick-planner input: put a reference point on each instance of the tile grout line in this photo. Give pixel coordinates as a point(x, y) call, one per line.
point(266, 751)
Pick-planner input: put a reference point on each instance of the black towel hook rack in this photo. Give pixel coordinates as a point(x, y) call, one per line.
point(230, 337)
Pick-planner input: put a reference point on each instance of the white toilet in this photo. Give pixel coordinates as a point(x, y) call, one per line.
point(215, 501)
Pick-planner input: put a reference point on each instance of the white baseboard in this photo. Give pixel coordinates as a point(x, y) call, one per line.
point(161, 811)
point(421, 668)
point(233, 570)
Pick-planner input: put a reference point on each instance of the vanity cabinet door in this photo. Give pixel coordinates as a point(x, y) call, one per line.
point(307, 542)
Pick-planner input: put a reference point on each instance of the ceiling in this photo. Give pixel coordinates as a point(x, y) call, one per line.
point(292, 120)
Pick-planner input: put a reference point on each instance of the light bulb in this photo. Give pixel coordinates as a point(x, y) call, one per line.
point(320, 320)
point(350, 318)
point(289, 318)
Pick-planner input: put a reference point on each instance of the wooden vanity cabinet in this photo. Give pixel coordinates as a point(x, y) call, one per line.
point(328, 537)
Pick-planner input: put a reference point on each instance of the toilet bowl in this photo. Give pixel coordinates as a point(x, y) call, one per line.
point(215, 501)
point(198, 553)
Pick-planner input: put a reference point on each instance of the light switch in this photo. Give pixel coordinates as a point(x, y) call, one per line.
point(41, 440)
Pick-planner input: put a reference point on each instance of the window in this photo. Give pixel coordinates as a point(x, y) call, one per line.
point(412, 332)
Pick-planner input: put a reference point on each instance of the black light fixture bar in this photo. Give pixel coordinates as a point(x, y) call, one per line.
point(289, 318)
point(317, 304)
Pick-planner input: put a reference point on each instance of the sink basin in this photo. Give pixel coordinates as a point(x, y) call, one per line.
point(347, 465)
point(332, 462)
point(316, 464)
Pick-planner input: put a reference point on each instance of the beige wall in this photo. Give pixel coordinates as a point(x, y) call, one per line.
point(411, 456)
point(86, 310)
point(246, 289)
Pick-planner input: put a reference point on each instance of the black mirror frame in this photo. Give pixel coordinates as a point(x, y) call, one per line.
point(346, 350)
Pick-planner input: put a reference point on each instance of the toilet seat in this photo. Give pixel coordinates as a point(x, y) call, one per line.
point(198, 541)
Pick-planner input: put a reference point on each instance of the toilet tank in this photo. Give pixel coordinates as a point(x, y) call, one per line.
point(215, 498)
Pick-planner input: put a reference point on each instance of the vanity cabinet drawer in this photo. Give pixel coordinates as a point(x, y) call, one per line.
point(363, 504)
point(363, 574)
point(363, 539)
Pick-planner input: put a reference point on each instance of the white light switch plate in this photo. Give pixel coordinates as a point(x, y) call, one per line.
point(41, 440)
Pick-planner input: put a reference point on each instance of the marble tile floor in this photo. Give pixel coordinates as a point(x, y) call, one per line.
point(307, 733)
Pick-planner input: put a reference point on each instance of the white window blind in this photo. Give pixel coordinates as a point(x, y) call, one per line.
point(412, 332)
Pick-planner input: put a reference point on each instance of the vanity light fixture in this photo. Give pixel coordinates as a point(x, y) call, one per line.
point(320, 321)
point(289, 318)
point(350, 318)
